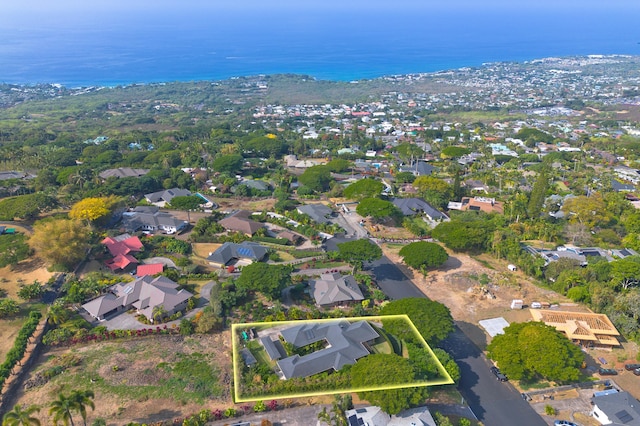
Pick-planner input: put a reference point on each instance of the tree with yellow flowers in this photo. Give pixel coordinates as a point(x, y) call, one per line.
point(61, 242)
point(94, 208)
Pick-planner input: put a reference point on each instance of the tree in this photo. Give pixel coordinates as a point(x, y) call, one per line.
point(20, 417)
point(409, 151)
point(337, 416)
point(588, 211)
point(364, 188)
point(31, 291)
point(8, 307)
point(26, 206)
point(464, 236)
point(377, 209)
point(538, 194)
point(186, 202)
point(316, 178)
point(57, 314)
point(82, 400)
point(230, 164)
point(380, 370)
point(339, 165)
point(423, 254)
point(534, 350)
point(61, 410)
point(429, 183)
point(625, 272)
point(453, 152)
point(359, 251)
point(432, 319)
point(60, 241)
point(267, 279)
point(92, 209)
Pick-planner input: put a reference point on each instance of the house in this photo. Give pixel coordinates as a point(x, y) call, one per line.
point(121, 248)
point(162, 198)
point(292, 237)
point(487, 205)
point(622, 187)
point(419, 168)
point(240, 222)
point(144, 294)
point(317, 212)
point(232, 254)
point(258, 185)
point(586, 329)
point(617, 409)
point(374, 416)
point(15, 175)
point(149, 269)
point(417, 206)
point(335, 289)
point(346, 343)
point(123, 172)
point(146, 218)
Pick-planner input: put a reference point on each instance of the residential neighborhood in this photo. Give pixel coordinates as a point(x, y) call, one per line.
point(134, 252)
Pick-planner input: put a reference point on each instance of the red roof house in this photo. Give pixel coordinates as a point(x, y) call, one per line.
point(150, 269)
point(121, 248)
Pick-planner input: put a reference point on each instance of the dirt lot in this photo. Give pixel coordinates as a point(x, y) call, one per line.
point(142, 380)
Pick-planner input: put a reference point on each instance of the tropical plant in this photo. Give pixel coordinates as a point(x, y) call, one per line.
point(21, 417)
point(82, 400)
point(61, 410)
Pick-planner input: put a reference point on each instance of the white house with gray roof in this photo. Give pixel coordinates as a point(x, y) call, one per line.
point(144, 218)
point(346, 343)
point(616, 409)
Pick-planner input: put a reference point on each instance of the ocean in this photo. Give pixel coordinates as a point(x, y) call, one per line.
point(157, 46)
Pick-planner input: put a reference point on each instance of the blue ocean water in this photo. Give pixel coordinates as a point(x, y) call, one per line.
point(154, 46)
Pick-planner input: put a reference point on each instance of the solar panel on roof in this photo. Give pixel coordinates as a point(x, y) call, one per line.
point(128, 289)
point(624, 416)
point(243, 251)
point(353, 420)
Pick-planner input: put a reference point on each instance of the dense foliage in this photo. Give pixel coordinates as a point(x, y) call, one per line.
point(432, 319)
point(533, 350)
point(423, 255)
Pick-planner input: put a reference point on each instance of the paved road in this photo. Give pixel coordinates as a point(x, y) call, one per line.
point(494, 403)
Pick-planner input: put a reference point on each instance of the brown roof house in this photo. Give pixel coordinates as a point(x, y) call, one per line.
point(335, 289)
point(240, 222)
point(144, 294)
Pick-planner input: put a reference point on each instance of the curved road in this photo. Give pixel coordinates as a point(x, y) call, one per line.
point(494, 403)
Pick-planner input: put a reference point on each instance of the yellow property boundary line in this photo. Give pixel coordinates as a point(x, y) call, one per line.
point(238, 362)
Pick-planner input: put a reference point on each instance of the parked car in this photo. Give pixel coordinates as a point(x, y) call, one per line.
point(607, 372)
point(636, 371)
point(564, 423)
point(526, 396)
point(496, 372)
point(630, 367)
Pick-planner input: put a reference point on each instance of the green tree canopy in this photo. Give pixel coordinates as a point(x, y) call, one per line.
point(27, 206)
point(359, 251)
point(186, 202)
point(21, 417)
point(423, 254)
point(364, 188)
point(267, 279)
point(432, 319)
point(464, 235)
point(377, 209)
point(13, 249)
point(339, 165)
point(230, 164)
point(454, 152)
point(316, 177)
point(625, 272)
point(533, 350)
point(589, 211)
point(384, 370)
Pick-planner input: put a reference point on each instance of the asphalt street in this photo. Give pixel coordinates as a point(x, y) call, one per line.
point(494, 403)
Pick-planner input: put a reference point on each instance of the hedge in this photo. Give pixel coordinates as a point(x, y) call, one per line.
point(16, 353)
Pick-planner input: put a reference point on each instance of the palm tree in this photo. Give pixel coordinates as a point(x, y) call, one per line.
point(58, 314)
point(20, 417)
point(82, 400)
point(61, 409)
